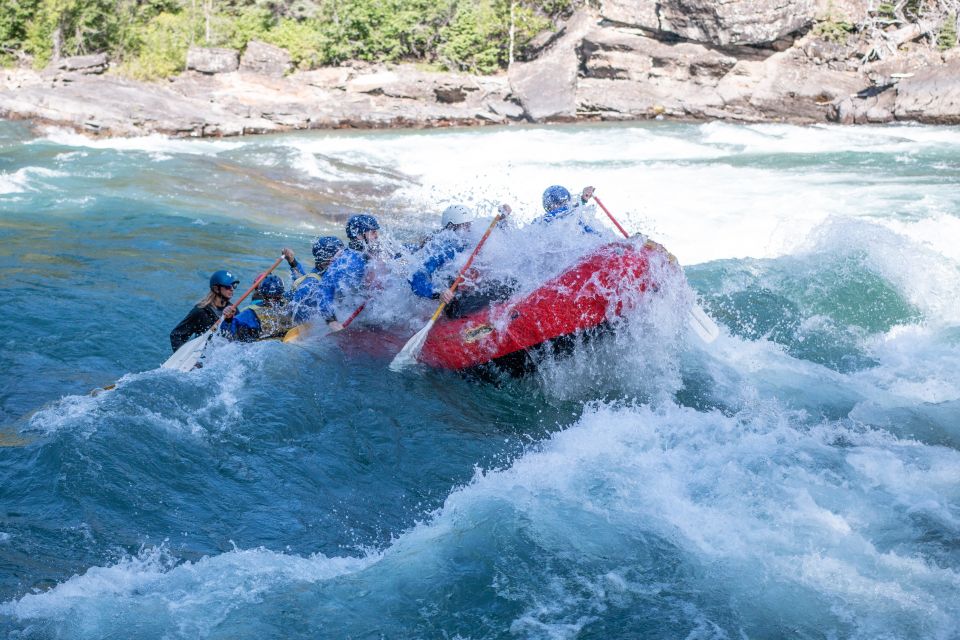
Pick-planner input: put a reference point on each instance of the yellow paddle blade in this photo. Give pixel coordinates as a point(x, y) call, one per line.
point(299, 332)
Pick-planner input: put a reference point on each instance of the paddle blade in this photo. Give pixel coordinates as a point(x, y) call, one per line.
point(408, 355)
point(188, 355)
point(298, 332)
point(702, 324)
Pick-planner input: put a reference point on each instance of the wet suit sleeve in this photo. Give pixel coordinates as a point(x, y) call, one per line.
point(195, 323)
point(297, 270)
point(421, 282)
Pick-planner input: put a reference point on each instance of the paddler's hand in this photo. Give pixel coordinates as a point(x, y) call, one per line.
point(229, 312)
point(505, 210)
point(446, 296)
point(334, 326)
point(586, 194)
point(288, 254)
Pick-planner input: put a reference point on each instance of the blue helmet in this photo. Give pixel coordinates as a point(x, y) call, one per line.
point(270, 287)
point(223, 278)
point(325, 247)
point(555, 197)
point(359, 224)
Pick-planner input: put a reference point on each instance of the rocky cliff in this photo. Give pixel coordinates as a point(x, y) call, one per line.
point(746, 60)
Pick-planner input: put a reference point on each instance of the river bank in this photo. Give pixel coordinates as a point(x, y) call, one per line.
point(612, 65)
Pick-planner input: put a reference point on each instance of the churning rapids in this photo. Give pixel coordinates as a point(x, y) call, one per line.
point(799, 477)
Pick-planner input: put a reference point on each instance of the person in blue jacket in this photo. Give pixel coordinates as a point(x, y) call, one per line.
point(557, 203)
point(443, 247)
point(345, 273)
point(306, 288)
point(268, 318)
point(440, 249)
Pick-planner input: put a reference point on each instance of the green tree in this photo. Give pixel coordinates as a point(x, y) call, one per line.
point(947, 38)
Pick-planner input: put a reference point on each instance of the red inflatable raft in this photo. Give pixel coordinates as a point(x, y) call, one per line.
point(581, 300)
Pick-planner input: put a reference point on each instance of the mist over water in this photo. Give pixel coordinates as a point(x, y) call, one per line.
point(799, 477)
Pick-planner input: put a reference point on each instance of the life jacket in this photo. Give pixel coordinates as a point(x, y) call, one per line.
point(274, 320)
point(302, 279)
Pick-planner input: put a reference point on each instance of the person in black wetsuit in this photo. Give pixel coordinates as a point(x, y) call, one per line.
point(207, 311)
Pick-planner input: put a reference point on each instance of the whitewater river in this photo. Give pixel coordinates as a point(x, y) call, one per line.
point(797, 478)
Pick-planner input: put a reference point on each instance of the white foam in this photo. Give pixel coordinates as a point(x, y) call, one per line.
point(674, 184)
point(25, 179)
point(192, 597)
point(918, 364)
point(160, 146)
point(763, 503)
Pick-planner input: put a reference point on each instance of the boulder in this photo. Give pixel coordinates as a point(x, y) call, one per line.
point(718, 22)
point(265, 59)
point(88, 65)
point(506, 109)
point(873, 105)
point(212, 60)
point(325, 77)
point(931, 96)
point(546, 87)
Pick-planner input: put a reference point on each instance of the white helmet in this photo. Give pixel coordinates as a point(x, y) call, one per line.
point(456, 214)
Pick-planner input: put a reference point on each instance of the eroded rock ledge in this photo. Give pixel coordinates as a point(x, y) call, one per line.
point(743, 60)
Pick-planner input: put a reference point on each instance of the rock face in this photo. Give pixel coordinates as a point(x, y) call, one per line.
point(717, 22)
point(211, 60)
point(266, 59)
point(628, 75)
point(92, 64)
point(546, 87)
point(683, 59)
point(931, 96)
point(223, 104)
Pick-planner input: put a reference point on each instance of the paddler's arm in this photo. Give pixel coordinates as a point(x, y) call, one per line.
point(296, 269)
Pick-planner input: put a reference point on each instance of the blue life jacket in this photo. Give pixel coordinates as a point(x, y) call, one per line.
point(439, 250)
point(318, 296)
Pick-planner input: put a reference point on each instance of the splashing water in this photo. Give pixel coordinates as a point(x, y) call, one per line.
point(796, 478)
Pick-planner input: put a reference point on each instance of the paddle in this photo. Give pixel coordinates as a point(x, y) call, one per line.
point(187, 356)
point(301, 330)
point(702, 324)
point(408, 355)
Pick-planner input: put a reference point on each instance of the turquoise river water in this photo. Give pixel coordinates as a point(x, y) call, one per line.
point(797, 478)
